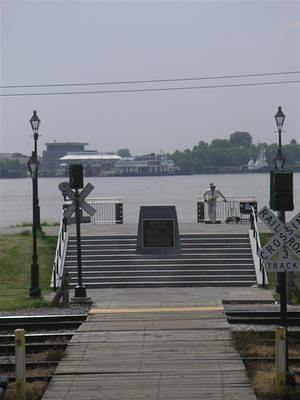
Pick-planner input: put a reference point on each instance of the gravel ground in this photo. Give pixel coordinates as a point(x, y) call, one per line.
point(258, 307)
point(73, 310)
point(259, 328)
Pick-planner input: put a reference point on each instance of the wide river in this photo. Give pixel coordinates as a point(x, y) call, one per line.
point(181, 191)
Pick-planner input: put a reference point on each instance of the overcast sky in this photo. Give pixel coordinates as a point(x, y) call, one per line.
point(60, 42)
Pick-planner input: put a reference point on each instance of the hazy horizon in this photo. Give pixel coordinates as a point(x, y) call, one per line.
point(75, 42)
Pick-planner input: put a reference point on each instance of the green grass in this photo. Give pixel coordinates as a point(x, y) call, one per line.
point(15, 265)
point(28, 224)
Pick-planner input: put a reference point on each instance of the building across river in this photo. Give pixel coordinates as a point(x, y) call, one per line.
point(58, 156)
point(110, 164)
point(54, 151)
point(150, 164)
point(94, 163)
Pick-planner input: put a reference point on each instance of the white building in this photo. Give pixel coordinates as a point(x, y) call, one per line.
point(94, 164)
point(150, 164)
point(108, 164)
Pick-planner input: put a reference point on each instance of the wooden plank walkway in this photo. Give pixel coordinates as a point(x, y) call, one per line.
point(155, 354)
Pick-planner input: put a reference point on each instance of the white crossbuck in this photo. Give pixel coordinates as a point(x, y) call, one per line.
point(283, 244)
point(64, 187)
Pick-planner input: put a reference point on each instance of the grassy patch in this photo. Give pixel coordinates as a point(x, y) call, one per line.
point(264, 237)
point(29, 224)
point(15, 262)
point(34, 390)
point(262, 372)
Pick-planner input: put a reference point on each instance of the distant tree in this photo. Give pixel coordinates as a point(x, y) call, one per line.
point(124, 153)
point(236, 152)
point(219, 143)
point(241, 139)
point(291, 152)
point(12, 168)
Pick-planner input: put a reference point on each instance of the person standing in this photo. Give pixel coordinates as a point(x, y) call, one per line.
point(210, 197)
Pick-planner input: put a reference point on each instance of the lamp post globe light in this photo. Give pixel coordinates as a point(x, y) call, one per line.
point(33, 166)
point(279, 159)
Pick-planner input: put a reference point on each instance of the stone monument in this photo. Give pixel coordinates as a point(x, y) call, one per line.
point(158, 231)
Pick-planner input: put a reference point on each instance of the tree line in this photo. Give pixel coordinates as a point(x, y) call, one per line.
point(220, 155)
point(231, 154)
point(13, 168)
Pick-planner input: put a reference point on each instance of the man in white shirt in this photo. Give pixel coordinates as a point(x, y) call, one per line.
point(210, 197)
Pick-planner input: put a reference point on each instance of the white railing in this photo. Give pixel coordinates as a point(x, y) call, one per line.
point(225, 210)
point(60, 255)
point(109, 210)
point(261, 275)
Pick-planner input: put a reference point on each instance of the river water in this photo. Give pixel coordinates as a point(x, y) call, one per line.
point(181, 191)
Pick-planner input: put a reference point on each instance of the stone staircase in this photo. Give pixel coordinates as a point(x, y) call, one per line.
point(206, 260)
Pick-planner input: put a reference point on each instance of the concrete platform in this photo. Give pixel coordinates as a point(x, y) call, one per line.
point(183, 297)
point(114, 229)
point(155, 344)
point(123, 229)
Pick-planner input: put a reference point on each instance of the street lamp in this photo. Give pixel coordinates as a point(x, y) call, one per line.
point(281, 200)
point(35, 123)
point(279, 159)
point(33, 166)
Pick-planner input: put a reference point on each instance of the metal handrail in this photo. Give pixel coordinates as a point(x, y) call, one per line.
point(105, 199)
point(60, 255)
point(261, 275)
point(109, 210)
point(230, 208)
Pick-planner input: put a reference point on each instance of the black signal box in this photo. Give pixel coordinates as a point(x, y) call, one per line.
point(76, 176)
point(281, 191)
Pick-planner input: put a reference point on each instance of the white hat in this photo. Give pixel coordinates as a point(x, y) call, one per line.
point(212, 185)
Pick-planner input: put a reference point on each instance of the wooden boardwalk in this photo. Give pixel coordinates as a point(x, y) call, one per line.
point(152, 354)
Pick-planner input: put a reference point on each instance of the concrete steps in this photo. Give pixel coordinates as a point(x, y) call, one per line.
point(205, 260)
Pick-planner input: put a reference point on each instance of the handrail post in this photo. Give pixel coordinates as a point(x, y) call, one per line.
point(20, 364)
point(54, 277)
point(280, 362)
point(256, 246)
point(60, 252)
point(263, 277)
point(119, 213)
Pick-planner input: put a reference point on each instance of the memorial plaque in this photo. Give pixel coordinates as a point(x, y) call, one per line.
point(158, 233)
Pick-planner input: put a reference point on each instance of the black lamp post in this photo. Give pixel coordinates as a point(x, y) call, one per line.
point(279, 159)
point(279, 162)
point(35, 123)
point(33, 165)
point(281, 200)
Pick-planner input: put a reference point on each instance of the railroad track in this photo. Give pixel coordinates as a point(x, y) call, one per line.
point(46, 338)
point(38, 337)
point(261, 317)
point(41, 322)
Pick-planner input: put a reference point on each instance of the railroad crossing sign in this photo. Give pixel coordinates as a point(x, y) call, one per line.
point(64, 187)
point(282, 252)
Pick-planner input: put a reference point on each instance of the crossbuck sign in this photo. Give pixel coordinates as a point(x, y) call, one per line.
point(64, 187)
point(282, 252)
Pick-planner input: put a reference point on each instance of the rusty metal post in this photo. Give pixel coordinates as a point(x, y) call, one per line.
point(280, 360)
point(20, 364)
